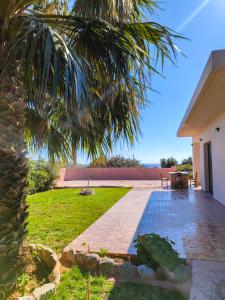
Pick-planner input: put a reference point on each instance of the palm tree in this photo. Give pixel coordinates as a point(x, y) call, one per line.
point(69, 78)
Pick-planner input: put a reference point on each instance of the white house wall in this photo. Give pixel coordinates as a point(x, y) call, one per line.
point(217, 139)
point(196, 161)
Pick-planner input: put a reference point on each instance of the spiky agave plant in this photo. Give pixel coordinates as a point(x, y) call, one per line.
point(67, 78)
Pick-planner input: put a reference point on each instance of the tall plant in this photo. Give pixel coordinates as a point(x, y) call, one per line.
point(69, 78)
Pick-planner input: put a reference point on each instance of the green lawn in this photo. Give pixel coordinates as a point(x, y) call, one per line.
point(57, 217)
point(74, 284)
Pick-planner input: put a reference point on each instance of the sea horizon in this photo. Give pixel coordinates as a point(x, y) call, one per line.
point(151, 165)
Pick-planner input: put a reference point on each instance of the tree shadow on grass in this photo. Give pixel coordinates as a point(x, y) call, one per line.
point(74, 286)
point(135, 291)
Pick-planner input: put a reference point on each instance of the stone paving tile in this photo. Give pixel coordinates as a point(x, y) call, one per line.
point(208, 279)
point(151, 184)
point(115, 230)
point(193, 219)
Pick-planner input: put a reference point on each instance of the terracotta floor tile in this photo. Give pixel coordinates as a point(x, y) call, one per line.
point(193, 219)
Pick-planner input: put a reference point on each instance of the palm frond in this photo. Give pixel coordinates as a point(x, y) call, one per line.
point(95, 70)
point(118, 57)
point(121, 52)
point(150, 36)
point(50, 67)
point(58, 7)
point(55, 133)
point(117, 10)
point(10, 8)
point(44, 132)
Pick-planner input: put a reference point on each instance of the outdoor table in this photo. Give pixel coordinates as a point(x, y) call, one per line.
point(174, 183)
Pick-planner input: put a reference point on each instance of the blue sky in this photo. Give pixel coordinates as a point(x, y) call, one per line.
point(203, 22)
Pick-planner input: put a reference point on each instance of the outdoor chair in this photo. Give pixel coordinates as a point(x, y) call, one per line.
point(194, 180)
point(164, 179)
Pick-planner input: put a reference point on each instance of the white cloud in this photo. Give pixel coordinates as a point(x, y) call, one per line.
point(193, 15)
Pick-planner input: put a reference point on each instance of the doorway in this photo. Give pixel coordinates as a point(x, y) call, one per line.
point(208, 167)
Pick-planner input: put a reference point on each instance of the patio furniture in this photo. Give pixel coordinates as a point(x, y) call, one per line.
point(179, 180)
point(194, 180)
point(164, 179)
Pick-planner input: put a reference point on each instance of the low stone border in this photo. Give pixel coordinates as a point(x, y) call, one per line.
point(50, 259)
point(125, 271)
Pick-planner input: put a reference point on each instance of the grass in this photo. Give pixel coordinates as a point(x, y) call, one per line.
point(74, 285)
point(57, 217)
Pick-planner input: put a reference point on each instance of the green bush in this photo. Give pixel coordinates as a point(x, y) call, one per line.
point(116, 162)
point(185, 168)
point(168, 162)
point(41, 176)
point(187, 161)
point(155, 251)
point(123, 162)
point(100, 162)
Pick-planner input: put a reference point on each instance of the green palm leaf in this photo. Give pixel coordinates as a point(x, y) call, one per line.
point(49, 66)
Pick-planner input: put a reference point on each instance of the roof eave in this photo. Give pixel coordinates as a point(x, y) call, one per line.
point(215, 62)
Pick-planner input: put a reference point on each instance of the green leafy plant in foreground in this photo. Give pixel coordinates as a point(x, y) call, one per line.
point(22, 282)
point(103, 252)
point(156, 251)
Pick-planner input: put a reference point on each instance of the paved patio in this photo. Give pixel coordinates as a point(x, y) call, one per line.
point(151, 184)
point(208, 280)
point(192, 219)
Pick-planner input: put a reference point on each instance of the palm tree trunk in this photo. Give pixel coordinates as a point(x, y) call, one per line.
point(13, 170)
point(74, 156)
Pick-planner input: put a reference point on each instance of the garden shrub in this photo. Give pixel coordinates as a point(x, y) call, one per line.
point(41, 176)
point(123, 162)
point(185, 168)
point(187, 161)
point(168, 162)
point(116, 162)
point(155, 251)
